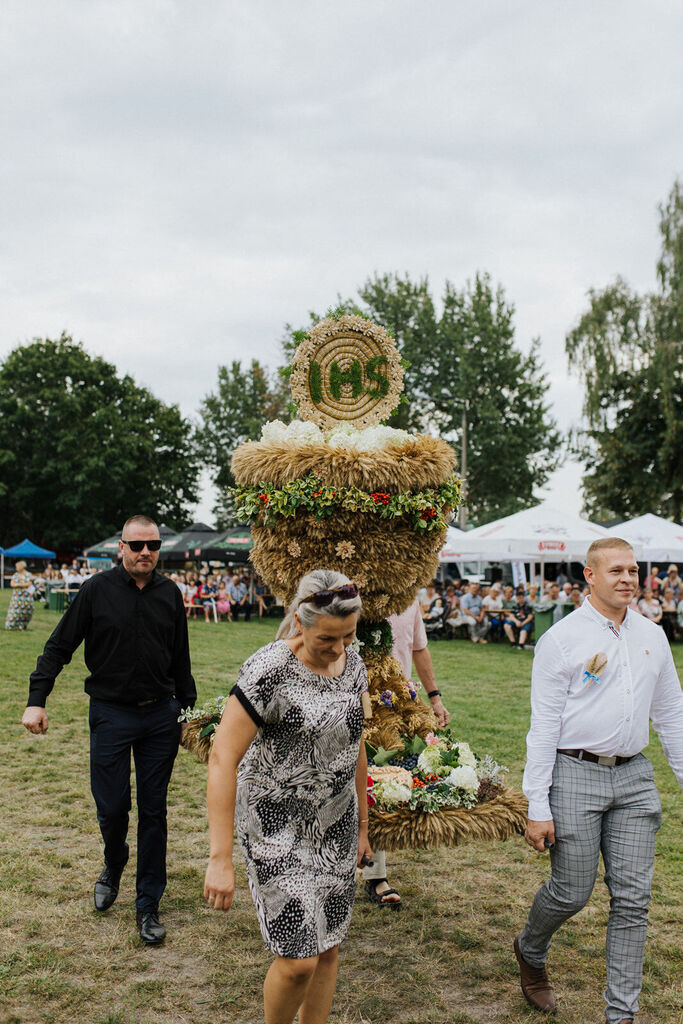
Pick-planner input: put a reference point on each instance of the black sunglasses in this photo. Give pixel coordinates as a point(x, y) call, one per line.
point(138, 545)
point(324, 597)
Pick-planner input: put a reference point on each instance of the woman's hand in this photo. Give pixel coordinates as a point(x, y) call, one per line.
point(219, 884)
point(364, 848)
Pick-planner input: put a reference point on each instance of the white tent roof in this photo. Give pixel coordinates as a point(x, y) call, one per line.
point(661, 540)
point(535, 533)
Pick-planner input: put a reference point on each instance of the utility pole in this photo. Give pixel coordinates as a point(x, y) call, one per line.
point(462, 513)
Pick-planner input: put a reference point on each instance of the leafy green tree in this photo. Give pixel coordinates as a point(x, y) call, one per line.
point(82, 448)
point(628, 351)
point(244, 400)
point(466, 361)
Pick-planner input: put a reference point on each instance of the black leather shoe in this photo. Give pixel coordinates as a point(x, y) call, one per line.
point(152, 931)
point(107, 885)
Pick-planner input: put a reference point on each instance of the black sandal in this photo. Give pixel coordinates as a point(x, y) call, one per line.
point(380, 898)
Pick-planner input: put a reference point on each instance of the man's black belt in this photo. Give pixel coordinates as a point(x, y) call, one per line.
point(153, 700)
point(585, 755)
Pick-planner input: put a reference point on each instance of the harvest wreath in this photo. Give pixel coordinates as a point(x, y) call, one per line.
point(339, 489)
point(425, 793)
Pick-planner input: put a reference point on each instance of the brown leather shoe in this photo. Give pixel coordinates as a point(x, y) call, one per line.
point(535, 985)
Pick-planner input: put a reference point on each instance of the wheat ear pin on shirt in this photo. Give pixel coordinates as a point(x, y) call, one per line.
point(594, 666)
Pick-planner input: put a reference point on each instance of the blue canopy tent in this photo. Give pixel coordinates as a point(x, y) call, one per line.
point(27, 549)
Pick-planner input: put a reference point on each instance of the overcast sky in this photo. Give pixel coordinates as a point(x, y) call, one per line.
point(180, 179)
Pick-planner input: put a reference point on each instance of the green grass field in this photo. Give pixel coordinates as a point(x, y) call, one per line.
point(446, 958)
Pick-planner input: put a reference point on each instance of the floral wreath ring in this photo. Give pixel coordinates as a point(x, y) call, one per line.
point(347, 369)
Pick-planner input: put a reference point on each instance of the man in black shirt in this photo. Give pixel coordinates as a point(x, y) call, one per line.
point(133, 622)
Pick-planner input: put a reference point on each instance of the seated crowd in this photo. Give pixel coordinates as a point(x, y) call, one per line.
point(222, 594)
point(505, 613)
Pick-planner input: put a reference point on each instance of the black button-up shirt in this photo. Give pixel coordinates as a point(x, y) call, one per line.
point(136, 645)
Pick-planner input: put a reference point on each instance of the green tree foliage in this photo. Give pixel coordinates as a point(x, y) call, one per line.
point(81, 448)
point(244, 400)
point(468, 354)
point(628, 351)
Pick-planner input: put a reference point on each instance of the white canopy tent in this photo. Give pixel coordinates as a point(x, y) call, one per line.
point(533, 535)
point(660, 540)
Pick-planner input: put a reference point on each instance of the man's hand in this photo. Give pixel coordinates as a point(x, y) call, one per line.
point(442, 715)
point(35, 720)
point(538, 831)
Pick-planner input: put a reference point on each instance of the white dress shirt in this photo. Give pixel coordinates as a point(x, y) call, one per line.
point(568, 712)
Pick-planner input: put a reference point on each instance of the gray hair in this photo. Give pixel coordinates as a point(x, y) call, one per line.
point(319, 579)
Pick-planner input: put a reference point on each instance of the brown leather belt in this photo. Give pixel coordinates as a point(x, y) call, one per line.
point(585, 755)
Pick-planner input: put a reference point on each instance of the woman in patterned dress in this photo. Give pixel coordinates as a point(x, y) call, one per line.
point(20, 609)
point(293, 725)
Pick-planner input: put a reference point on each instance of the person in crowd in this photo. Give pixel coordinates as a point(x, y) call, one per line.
point(287, 759)
point(679, 614)
point(576, 596)
point(223, 606)
point(653, 581)
point(433, 606)
point(428, 595)
point(554, 599)
point(209, 594)
point(492, 603)
point(669, 613)
point(635, 601)
point(533, 595)
point(261, 593)
point(565, 592)
point(238, 595)
point(136, 649)
point(650, 607)
point(20, 611)
point(598, 676)
point(409, 648)
point(561, 579)
point(189, 596)
point(519, 622)
point(472, 608)
point(674, 581)
point(455, 617)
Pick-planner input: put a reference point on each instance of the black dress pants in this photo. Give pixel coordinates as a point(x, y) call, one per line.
point(152, 733)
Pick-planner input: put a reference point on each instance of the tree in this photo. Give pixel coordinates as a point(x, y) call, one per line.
point(628, 351)
point(466, 360)
point(82, 448)
point(234, 413)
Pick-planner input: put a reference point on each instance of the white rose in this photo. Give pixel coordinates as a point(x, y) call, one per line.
point(465, 778)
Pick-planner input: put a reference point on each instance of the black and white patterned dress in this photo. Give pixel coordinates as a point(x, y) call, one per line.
point(296, 812)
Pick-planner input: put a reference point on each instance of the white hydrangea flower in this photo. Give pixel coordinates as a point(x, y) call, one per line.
point(391, 792)
point(465, 755)
point(303, 432)
point(464, 777)
point(429, 760)
point(276, 430)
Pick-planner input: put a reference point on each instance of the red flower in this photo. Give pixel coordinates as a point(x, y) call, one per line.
point(264, 498)
point(428, 514)
point(417, 783)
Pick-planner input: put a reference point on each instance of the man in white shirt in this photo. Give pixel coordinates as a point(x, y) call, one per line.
point(599, 676)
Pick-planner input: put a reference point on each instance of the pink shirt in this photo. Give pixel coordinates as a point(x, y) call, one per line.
point(409, 635)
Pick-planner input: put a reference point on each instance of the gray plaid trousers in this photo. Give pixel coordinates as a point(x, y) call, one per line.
point(614, 811)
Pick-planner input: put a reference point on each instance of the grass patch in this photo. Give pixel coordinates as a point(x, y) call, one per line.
point(446, 958)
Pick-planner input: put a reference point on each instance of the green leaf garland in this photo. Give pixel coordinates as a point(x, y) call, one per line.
point(429, 509)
